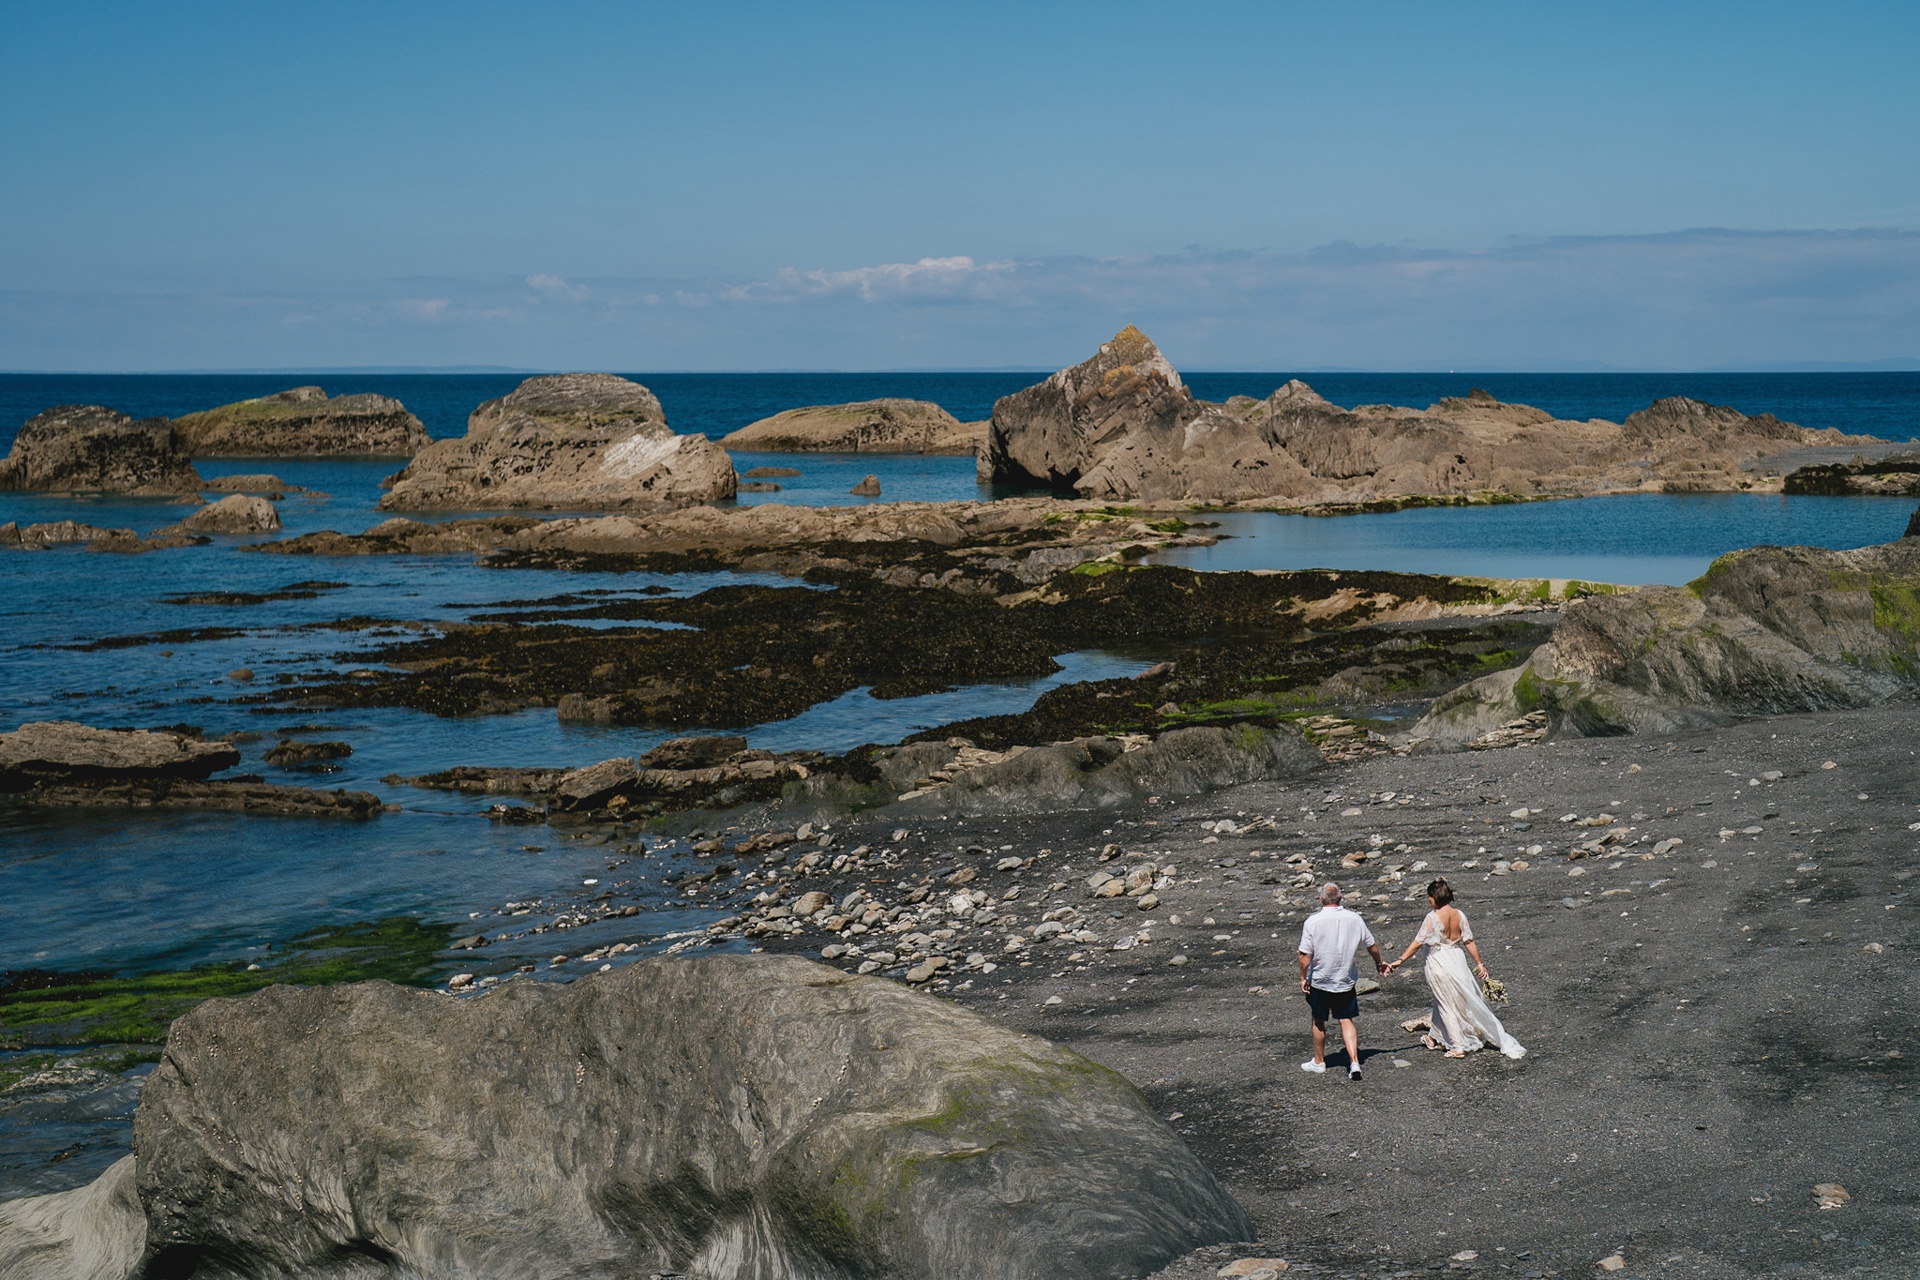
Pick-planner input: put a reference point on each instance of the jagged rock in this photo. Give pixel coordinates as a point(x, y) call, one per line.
point(570, 440)
point(304, 423)
point(729, 1117)
point(1766, 631)
point(871, 426)
point(1097, 773)
point(84, 448)
point(1913, 524)
point(868, 488)
point(693, 753)
point(1054, 433)
point(62, 751)
point(235, 513)
point(1122, 426)
point(584, 790)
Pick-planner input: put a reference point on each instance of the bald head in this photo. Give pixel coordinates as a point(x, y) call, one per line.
point(1330, 894)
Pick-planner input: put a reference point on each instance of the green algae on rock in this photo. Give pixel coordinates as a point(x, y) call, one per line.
point(728, 1116)
point(304, 423)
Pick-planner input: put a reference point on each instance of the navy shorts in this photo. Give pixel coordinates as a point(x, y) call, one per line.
point(1338, 1005)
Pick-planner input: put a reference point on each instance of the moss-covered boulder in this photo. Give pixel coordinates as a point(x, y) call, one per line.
point(304, 423)
point(1765, 631)
point(735, 1116)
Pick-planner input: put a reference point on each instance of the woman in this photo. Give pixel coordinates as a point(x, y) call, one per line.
point(1460, 1019)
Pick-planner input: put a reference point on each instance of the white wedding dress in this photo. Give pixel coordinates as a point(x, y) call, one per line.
point(1461, 1019)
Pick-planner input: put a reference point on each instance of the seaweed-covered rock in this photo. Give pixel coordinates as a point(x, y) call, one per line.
point(305, 423)
point(53, 751)
point(589, 440)
point(85, 448)
point(870, 426)
point(729, 1117)
point(1766, 631)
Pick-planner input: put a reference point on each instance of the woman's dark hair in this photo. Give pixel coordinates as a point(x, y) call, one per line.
point(1441, 892)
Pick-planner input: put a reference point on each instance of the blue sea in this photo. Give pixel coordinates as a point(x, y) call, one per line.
point(132, 890)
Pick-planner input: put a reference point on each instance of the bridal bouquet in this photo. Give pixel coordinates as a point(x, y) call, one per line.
point(1496, 991)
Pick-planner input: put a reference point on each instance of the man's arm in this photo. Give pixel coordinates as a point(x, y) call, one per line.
point(1305, 960)
point(1373, 949)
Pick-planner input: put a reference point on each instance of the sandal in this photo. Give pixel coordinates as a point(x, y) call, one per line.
point(1456, 1053)
point(1431, 1043)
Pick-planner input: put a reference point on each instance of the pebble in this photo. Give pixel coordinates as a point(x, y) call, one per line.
point(1254, 1268)
point(1612, 1262)
point(1831, 1195)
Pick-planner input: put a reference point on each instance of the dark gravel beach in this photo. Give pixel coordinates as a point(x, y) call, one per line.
point(1713, 1029)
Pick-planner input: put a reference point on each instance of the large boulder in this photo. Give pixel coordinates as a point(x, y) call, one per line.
point(235, 513)
point(1766, 631)
point(1122, 426)
point(588, 440)
point(1913, 524)
point(85, 448)
point(304, 423)
point(728, 1117)
point(871, 426)
point(60, 751)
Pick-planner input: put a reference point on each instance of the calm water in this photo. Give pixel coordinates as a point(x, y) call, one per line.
point(131, 890)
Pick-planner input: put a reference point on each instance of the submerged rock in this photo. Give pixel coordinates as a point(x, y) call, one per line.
point(84, 448)
point(64, 751)
point(1765, 631)
point(571, 440)
point(870, 426)
point(729, 1117)
point(304, 423)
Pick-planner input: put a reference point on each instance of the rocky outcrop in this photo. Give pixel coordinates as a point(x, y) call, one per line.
point(304, 423)
point(1105, 773)
point(1913, 524)
point(59, 751)
point(728, 1117)
point(1896, 476)
point(84, 448)
point(678, 772)
point(235, 513)
point(871, 426)
point(1122, 426)
point(867, 488)
point(243, 794)
point(572, 440)
point(1766, 631)
point(249, 484)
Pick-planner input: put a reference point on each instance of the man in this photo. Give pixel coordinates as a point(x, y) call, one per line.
point(1328, 973)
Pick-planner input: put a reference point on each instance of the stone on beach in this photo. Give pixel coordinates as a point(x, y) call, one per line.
point(747, 1115)
point(304, 423)
point(85, 448)
point(585, 440)
point(868, 488)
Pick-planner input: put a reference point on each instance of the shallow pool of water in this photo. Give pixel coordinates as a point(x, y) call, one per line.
point(1630, 539)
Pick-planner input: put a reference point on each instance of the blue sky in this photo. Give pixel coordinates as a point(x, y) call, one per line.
point(1279, 186)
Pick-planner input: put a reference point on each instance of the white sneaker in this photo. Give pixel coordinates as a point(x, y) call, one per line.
point(1315, 1067)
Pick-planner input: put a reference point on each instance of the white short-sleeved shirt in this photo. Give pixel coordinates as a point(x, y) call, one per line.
point(1331, 938)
